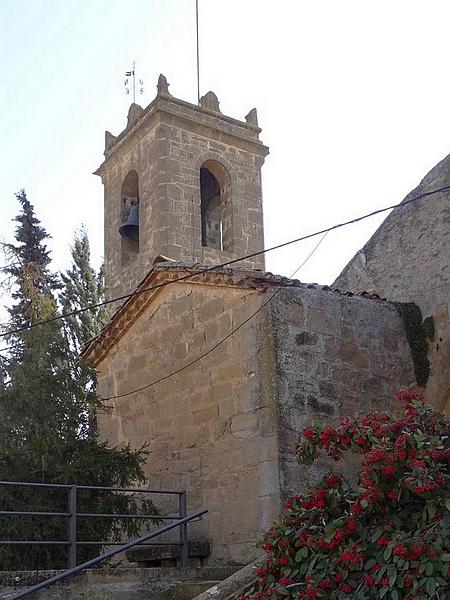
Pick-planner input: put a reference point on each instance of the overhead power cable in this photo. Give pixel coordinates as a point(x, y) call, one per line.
point(6, 348)
point(222, 340)
point(224, 264)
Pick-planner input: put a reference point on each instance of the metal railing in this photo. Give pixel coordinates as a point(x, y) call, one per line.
point(95, 561)
point(72, 515)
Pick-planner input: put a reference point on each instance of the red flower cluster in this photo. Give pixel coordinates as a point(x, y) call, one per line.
point(387, 538)
point(317, 500)
point(352, 557)
point(333, 480)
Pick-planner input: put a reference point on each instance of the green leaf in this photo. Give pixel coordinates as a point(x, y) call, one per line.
point(387, 554)
point(311, 565)
point(376, 536)
point(303, 568)
point(381, 573)
point(431, 510)
point(392, 574)
point(299, 555)
point(447, 502)
point(431, 586)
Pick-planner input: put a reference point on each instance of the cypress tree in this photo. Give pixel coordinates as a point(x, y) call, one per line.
point(48, 405)
point(82, 287)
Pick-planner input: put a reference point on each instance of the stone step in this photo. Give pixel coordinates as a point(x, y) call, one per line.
point(167, 555)
point(118, 583)
point(191, 589)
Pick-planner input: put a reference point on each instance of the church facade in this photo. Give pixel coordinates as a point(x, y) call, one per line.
point(218, 366)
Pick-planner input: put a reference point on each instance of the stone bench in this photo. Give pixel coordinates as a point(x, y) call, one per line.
point(167, 555)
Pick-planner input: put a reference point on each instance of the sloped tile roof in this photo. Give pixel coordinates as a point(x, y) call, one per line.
point(166, 272)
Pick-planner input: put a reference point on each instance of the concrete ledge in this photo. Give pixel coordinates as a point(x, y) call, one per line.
point(118, 583)
point(155, 556)
point(238, 583)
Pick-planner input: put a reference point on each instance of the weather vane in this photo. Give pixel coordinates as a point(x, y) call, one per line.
point(132, 74)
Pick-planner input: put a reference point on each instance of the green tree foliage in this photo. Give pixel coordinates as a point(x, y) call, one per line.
point(82, 287)
point(48, 406)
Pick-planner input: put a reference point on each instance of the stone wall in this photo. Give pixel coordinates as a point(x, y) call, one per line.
point(167, 144)
point(221, 428)
point(212, 428)
point(408, 260)
point(335, 356)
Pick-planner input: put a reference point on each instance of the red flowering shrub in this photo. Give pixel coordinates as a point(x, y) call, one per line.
point(390, 538)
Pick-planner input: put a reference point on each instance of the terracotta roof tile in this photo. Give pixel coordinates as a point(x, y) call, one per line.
point(165, 271)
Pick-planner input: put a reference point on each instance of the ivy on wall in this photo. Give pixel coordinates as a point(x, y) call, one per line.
point(419, 332)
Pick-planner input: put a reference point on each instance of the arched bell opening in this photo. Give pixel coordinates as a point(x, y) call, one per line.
point(129, 216)
point(216, 209)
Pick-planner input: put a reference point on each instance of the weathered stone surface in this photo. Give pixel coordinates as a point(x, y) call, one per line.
point(134, 114)
point(333, 370)
point(163, 86)
point(190, 590)
point(408, 260)
point(166, 144)
point(222, 427)
point(305, 338)
point(118, 583)
point(210, 101)
point(211, 428)
point(154, 554)
point(252, 117)
point(236, 584)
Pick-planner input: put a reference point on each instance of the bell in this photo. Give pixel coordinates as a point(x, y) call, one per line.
point(130, 229)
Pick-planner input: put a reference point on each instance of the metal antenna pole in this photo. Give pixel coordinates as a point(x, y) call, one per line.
point(198, 52)
point(134, 82)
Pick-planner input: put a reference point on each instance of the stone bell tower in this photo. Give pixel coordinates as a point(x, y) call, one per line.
point(182, 181)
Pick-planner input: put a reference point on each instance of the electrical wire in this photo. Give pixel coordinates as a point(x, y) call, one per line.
point(424, 293)
point(6, 348)
point(224, 339)
point(222, 265)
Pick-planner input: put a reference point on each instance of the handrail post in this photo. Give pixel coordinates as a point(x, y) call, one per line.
point(72, 529)
point(184, 549)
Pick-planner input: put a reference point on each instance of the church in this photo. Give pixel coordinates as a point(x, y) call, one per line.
point(215, 362)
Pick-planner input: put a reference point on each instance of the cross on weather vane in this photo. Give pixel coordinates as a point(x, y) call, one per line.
point(132, 74)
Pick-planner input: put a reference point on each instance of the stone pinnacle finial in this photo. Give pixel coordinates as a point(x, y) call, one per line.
point(210, 101)
point(163, 86)
point(252, 117)
point(134, 114)
point(110, 140)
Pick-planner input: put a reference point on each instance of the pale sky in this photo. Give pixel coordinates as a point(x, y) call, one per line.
point(353, 98)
